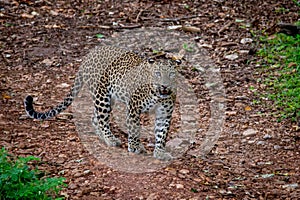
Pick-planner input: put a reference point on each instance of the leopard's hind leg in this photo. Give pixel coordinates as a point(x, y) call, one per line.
point(100, 120)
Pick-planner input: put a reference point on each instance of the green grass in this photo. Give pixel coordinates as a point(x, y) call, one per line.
point(19, 181)
point(281, 55)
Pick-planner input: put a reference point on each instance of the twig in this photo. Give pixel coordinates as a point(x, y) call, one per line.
point(132, 26)
point(225, 27)
point(121, 26)
point(178, 18)
point(141, 11)
point(93, 26)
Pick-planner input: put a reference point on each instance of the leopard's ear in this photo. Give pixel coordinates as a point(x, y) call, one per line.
point(178, 61)
point(151, 60)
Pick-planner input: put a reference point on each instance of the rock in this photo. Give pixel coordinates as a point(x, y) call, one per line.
point(244, 51)
point(34, 13)
point(246, 40)
point(208, 46)
point(236, 133)
point(276, 147)
point(244, 140)
point(249, 132)
point(230, 113)
point(251, 141)
point(291, 186)
point(179, 186)
point(267, 136)
point(184, 171)
point(231, 56)
point(261, 143)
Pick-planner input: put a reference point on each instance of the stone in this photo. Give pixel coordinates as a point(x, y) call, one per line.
point(267, 136)
point(246, 41)
point(249, 132)
point(231, 56)
point(261, 143)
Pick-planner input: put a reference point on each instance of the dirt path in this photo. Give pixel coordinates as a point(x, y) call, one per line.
point(41, 44)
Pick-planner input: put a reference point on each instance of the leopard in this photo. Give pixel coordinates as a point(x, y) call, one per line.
point(142, 84)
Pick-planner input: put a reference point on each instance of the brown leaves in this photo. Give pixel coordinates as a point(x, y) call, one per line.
point(64, 31)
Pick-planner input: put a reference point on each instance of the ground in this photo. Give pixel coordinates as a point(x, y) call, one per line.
point(41, 45)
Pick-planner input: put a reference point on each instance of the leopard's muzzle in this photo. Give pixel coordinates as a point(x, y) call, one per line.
point(164, 91)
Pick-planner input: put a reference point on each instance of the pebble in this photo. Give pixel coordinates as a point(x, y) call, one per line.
point(184, 171)
point(291, 186)
point(86, 171)
point(267, 136)
point(251, 141)
point(179, 186)
point(246, 40)
point(244, 51)
point(34, 13)
point(232, 56)
point(276, 147)
point(236, 133)
point(249, 132)
point(230, 113)
point(261, 143)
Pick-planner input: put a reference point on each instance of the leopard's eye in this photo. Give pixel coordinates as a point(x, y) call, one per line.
point(172, 74)
point(157, 74)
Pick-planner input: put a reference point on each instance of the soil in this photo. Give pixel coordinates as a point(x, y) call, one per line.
point(41, 46)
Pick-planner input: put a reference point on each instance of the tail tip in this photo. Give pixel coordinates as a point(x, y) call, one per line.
point(29, 99)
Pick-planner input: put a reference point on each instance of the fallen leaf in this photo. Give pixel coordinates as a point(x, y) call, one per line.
point(292, 64)
point(248, 108)
point(5, 96)
point(25, 15)
point(191, 29)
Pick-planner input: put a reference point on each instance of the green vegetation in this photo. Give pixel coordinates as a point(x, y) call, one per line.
point(281, 54)
point(18, 181)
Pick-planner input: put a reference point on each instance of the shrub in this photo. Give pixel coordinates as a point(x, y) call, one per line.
point(282, 60)
point(18, 181)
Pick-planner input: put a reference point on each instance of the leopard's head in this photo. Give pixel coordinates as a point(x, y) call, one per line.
point(164, 76)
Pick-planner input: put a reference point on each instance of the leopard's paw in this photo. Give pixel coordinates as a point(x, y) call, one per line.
point(139, 149)
point(112, 141)
point(162, 155)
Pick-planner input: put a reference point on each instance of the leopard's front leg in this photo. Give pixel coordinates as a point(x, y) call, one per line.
point(162, 126)
point(133, 125)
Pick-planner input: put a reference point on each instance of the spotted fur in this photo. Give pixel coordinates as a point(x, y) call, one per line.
point(141, 84)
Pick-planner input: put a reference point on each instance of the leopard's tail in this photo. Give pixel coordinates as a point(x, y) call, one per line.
point(28, 102)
